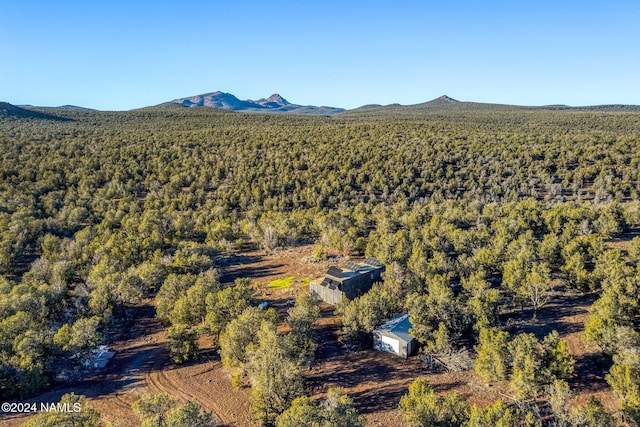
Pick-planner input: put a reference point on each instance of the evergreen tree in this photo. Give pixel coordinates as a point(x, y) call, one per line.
point(303, 412)
point(275, 377)
point(301, 318)
point(77, 413)
point(592, 414)
point(336, 410)
point(492, 350)
point(183, 343)
point(496, 415)
point(227, 304)
point(240, 336)
point(161, 410)
point(422, 406)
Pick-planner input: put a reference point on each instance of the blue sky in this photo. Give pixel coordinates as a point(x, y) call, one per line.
point(117, 55)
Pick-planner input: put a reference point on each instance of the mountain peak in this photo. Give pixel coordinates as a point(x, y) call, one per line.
point(445, 98)
point(440, 101)
point(273, 101)
point(277, 98)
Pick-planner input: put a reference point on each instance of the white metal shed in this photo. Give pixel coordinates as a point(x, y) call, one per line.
point(393, 336)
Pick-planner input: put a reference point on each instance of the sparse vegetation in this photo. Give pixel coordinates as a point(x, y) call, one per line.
point(282, 283)
point(162, 410)
point(72, 410)
point(336, 410)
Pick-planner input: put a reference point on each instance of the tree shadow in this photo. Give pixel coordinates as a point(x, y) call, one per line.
point(590, 373)
point(553, 316)
point(250, 267)
point(388, 396)
point(235, 259)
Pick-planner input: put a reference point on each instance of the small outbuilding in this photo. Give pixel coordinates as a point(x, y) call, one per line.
point(101, 356)
point(352, 281)
point(393, 336)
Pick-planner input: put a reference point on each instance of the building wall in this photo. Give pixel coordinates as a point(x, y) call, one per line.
point(412, 346)
point(361, 284)
point(385, 343)
point(330, 296)
point(357, 287)
point(393, 345)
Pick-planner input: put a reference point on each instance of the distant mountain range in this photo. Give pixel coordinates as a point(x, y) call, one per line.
point(277, 104)
point(273, 104)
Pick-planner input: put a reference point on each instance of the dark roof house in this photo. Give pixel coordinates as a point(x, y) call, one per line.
point(350, 282)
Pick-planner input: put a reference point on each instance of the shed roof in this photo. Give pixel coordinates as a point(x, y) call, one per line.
point(398, 327)
point(352, 270)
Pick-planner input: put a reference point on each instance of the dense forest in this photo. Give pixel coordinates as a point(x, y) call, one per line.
point(480, 214)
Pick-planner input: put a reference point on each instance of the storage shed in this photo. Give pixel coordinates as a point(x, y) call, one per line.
point(98, 358)
point(393, 336)
point(352, 281)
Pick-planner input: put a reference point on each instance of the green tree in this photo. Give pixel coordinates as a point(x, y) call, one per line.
point(191, 308)
point(538, 363)
point(611, 267)
point(239, 335)
point(609, 223)
point(492, 352)
point(436, 312)
point(193, 258)
point(82, 335)
point(579, 256)
point(558, 361)
point(483, 300)
point(301, 318)
point(496, 415)
point(225, 305)
point(624, 378)
point(527, 368)
point(275, 376)
point(174, 287)
point(576, 274)
point(191, 414)
point(537, 286)
point(76, 413)
point(634, 250)
point(422, 406)
point(550, 250)
point(152, 409)
point(161, 410)
point(592, 414)
point(338, 410)
point(362, 315)
point(615, 310)
point(152, 274)
point(303, 412)
point(183, 343)
point(558, 396)
point(602, 332)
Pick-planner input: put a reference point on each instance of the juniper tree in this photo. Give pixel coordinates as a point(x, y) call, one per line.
point(492, 350)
